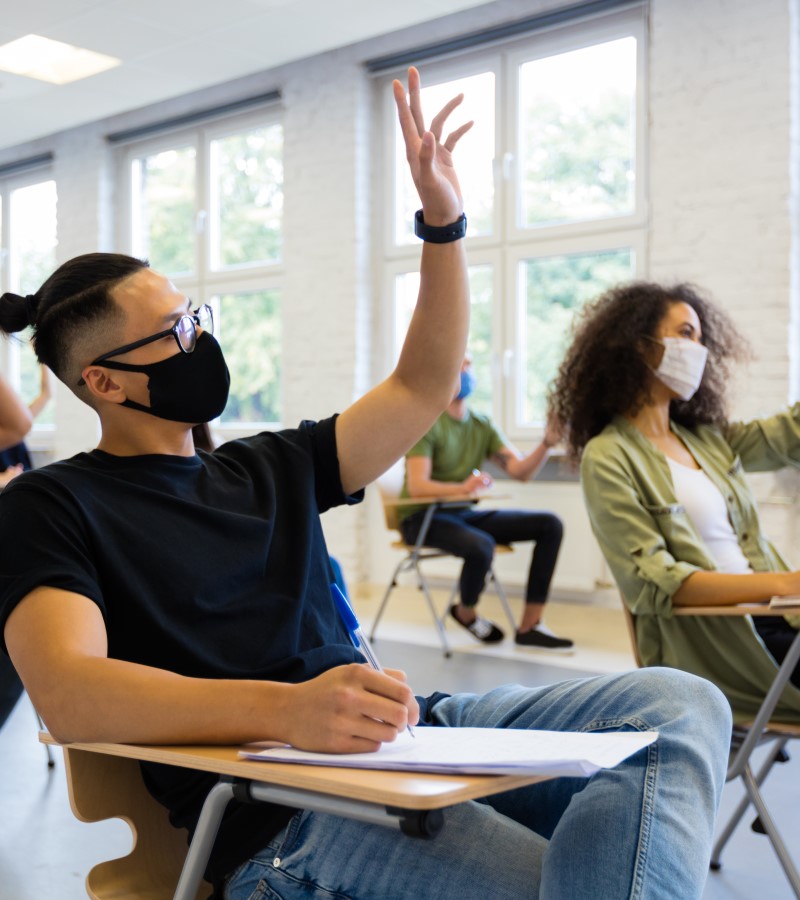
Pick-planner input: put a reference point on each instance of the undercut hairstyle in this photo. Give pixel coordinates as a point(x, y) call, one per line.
point(605, 373)
point(73, 313)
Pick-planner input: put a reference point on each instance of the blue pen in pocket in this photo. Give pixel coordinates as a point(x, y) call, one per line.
point(357, 636)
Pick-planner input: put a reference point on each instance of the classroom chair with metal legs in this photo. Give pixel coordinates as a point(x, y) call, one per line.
point(745, 738)
point(389, 486)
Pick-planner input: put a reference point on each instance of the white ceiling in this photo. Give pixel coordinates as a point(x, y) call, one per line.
point(173, 47)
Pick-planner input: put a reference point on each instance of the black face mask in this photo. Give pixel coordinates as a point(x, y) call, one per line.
point(187, 387)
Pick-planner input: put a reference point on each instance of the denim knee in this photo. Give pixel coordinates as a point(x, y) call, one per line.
point(688, 703)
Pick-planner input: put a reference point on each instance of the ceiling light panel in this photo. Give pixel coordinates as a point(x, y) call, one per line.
point(39, 57)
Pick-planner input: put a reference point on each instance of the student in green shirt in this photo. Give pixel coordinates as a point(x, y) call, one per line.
point(642, 390)
point(447, 462)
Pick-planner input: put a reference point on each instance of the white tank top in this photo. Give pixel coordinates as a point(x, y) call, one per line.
point(705, 507)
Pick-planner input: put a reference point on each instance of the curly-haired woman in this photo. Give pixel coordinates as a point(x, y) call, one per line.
point(642, 391)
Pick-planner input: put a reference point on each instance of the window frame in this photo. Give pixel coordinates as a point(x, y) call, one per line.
point(204, 283)
point(510, 244)
point(42, 435)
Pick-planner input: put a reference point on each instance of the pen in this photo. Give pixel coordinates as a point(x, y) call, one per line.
point(357, 636)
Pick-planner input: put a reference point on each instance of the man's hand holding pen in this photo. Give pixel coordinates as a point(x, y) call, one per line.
point(477, 481)
point(350, 709)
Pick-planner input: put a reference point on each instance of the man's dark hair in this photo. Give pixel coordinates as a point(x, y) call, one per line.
point(605, 373)
point(72, 311)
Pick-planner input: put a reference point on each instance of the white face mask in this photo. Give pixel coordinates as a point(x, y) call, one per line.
point(682, 365)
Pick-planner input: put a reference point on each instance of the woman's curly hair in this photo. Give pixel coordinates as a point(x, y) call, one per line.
point(604, 372)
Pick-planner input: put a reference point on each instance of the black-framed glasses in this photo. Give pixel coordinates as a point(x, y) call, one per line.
point(184, 331)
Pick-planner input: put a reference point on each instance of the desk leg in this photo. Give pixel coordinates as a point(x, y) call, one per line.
point(204, 836)
point(742, 757)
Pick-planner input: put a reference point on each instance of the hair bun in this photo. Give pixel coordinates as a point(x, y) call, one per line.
point(30, 308)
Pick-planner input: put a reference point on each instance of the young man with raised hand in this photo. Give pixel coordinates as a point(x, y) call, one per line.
point(149, 593)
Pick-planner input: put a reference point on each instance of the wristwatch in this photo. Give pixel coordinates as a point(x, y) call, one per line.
point(440, 234)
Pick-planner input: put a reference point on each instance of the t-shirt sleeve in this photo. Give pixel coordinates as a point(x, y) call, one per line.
point(42, 543)
point(497, 440)
point(423, 447)
point(327, 477)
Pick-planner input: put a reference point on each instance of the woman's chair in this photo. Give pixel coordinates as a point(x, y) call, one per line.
point(389, 485)
point(744, 740)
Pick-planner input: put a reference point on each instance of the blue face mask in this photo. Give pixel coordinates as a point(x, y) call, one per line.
point(467, 384)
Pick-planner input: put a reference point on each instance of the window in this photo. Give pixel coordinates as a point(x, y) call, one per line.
point(28, 243)
point(553, 181)
point(206, 209)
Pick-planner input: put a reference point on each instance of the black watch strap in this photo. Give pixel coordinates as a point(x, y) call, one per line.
point(440, 235)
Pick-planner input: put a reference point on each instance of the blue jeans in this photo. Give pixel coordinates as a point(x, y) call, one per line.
point(640, 830)
point(472, 534)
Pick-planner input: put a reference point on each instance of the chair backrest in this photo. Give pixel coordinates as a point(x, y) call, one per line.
point(390, 484)
point(630, 621)
point(105, 787)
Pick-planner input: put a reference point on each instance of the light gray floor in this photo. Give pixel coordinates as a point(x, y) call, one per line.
point(46, 852)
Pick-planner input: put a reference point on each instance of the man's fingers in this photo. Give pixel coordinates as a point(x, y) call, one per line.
point(441, 117)
point(415, 100)
point(455, 136)
point(407, 124)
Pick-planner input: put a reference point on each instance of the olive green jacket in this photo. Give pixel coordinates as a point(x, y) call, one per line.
point(651, 546)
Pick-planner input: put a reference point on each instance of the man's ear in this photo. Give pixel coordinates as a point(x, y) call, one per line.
point(102, 385)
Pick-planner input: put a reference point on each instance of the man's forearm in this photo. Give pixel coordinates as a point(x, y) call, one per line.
point(437, 336)
point(105, 699)
point(526, 468)
point(431, 488)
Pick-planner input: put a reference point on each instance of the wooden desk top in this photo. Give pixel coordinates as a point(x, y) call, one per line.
point(453, 498)
point(406, 790)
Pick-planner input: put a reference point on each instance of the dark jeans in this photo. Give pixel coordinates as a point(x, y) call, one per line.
point(10, 688)
point(472, 535)
point(777, 635)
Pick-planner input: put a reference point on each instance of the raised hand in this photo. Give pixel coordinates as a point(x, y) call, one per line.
point(430, 159)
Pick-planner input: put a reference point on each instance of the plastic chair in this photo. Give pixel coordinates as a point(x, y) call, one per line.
point(390, 485)
point(744, 740)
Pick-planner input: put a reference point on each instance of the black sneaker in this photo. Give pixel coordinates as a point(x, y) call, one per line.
point(542, 638)
point(481, 628)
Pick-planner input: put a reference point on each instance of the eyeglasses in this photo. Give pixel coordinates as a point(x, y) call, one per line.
point(184, 331)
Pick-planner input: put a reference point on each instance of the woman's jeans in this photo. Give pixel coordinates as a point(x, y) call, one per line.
point(640, 830)
point(472, 535)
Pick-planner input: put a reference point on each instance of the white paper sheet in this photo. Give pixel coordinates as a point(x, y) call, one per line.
point(475, 751)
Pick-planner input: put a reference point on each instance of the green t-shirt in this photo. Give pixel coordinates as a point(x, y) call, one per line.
point(455, 448)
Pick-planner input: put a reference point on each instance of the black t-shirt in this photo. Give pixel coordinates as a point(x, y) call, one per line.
point(211, 566)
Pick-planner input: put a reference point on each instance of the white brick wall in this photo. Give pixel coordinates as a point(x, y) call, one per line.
point(722, 210)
